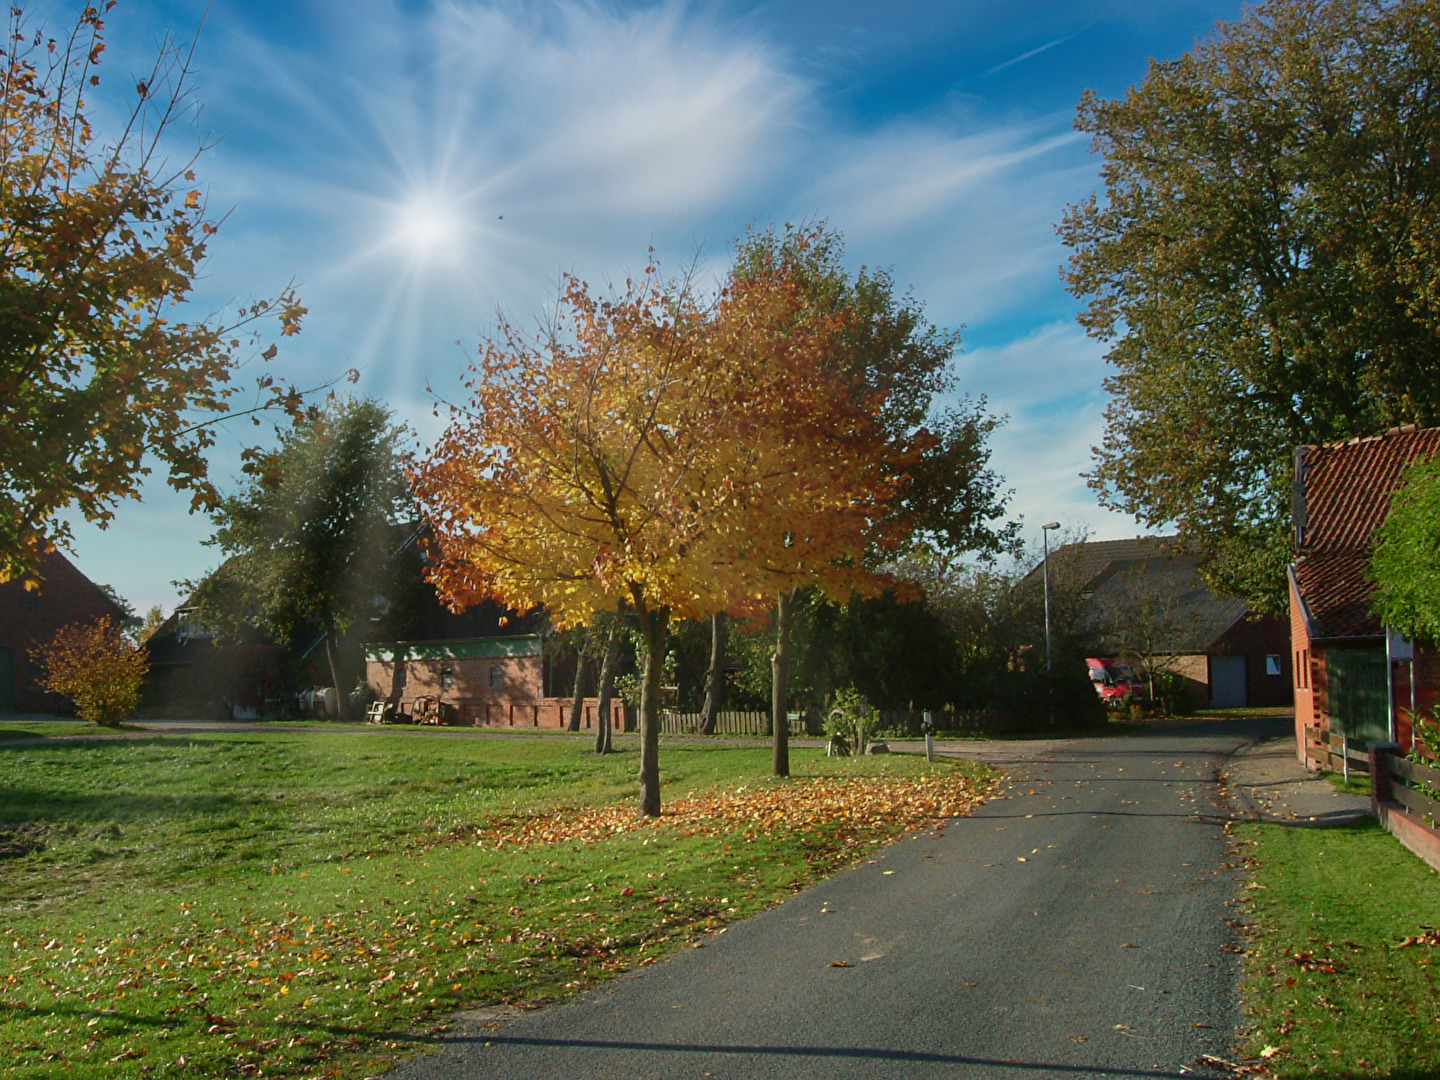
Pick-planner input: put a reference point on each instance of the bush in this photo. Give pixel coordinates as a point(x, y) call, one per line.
point(852, 717)
point(97, 667)
point(1172, 690)
point(1027, 699)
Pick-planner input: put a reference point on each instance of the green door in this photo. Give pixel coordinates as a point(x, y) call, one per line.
point(7, 679)
point(1358, 704)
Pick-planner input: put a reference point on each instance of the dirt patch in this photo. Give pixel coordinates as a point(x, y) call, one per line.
point(17, 841)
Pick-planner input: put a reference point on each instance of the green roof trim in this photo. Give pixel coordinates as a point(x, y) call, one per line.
point(460, 649)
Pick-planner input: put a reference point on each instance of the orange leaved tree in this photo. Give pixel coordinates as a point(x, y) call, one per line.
point(97, 667)
point(817, 463)
point(581, 473)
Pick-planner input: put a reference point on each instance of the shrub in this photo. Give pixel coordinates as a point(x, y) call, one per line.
point(97, 667)
point(1027, 698)
point(1172, 690)
point(850, 715)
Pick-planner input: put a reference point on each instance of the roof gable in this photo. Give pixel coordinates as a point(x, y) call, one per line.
point(1343, 494)
point(1149, 569)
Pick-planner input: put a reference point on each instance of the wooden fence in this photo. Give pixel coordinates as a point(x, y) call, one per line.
point(902, 723)
point(538, 713)
point(1334, 753)
point(727, 723)
point(1406, 798)
point(894, 723)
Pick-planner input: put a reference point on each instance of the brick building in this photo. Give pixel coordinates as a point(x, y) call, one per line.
point(1228, 657)
point(484, 679)
point(1351, 676)
point(30, 618)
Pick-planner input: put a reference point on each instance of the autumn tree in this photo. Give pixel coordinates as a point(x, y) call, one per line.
point(98, 667)
point(309, 537)
point(101, 239)
point(1264, 262)
point(715, 672)
point(871, 466)
point(1406, 561)
point(575, 475)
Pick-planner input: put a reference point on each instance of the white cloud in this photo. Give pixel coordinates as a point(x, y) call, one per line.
point(1049, 382)
point(570, 137)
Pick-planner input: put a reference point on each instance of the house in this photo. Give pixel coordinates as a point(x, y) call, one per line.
point(1352, 677)
point(193, 673)
point(484, 666)
point(29, 618)
point(1147, 593)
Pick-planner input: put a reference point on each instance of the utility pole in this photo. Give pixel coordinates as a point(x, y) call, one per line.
point(1049, 659)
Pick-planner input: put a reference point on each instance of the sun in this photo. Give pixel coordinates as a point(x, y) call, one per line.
point(427, 226)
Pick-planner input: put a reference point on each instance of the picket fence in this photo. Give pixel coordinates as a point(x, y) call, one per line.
point(895, 723)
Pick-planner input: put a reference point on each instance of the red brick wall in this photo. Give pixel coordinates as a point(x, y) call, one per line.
point(470, 680)
point(1303, 671)
point(31, 618)
point(1256, 639)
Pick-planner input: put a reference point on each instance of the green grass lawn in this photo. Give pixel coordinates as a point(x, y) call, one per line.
point(1329, 986)
point(308, 904)
point(11, 730)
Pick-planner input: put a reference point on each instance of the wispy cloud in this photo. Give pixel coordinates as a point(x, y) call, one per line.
point(570, 137)
point(1048, 382)
point(1027, 55)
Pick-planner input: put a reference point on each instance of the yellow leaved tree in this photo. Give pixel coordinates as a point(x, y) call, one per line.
point(664, 454)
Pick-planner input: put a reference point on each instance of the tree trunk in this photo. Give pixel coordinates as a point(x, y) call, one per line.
point(577, 703)
point(780, 674)
point(653, 627)
point(715, 680)
point(342, 699)
point(606, 690)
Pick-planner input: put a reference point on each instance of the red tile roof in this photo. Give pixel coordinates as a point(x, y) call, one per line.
point(1347, 488)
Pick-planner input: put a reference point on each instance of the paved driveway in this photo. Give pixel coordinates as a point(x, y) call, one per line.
point(1074, 927)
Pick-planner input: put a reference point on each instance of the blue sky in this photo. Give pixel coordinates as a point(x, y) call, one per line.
point(416, 166)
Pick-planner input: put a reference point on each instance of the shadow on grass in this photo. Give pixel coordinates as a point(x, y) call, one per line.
point(19, 1012)
point(37, 806)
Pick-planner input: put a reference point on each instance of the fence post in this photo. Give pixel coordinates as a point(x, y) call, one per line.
point(1345, 756)
point(1380, 775)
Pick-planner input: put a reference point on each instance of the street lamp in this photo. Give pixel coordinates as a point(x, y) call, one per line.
point(1045, 542)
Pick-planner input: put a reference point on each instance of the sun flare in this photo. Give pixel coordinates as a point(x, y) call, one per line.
point(427, 226)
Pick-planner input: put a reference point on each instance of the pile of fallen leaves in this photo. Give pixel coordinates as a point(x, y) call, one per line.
point(850, 810)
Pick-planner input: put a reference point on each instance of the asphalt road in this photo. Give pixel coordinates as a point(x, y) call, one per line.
point(1076, 926)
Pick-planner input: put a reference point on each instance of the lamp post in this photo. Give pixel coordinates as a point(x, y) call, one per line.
point(1045, 543)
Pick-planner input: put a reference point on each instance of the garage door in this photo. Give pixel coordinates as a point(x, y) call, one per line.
point(1227, 682)
point(1359, 702)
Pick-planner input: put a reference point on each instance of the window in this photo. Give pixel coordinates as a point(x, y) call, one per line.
point(447, 678)
point(497, 677)
point(1272, 665)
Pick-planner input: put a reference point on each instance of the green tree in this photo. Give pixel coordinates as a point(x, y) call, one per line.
point(1406, 561)
point(152, 621)
point(100, 243)
point(309, 536)
point(1264, 266)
